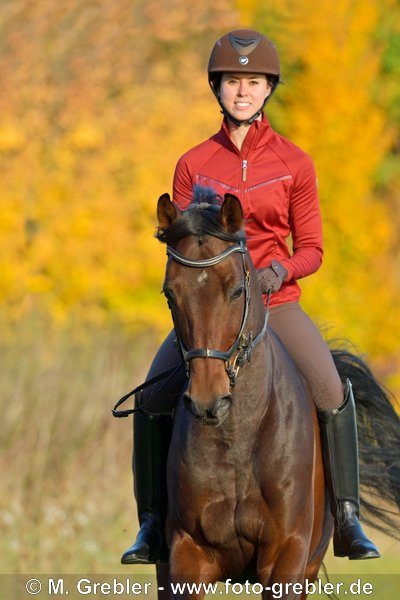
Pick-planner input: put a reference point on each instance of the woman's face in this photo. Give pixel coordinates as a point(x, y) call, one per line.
point(243, 94)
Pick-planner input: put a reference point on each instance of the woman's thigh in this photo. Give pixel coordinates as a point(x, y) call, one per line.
point(310, 353)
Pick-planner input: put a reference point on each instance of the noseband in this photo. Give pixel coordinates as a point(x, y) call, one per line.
point(244, 344)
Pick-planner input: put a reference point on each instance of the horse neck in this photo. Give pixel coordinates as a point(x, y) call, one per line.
point(252, 390)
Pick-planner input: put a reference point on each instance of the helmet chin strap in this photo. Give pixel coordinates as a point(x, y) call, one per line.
point(241, 123)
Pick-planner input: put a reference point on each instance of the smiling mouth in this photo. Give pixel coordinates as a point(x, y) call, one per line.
point(242, 105)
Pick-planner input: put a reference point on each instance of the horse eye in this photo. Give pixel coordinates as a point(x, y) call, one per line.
point(169, 296)
point(237, 293)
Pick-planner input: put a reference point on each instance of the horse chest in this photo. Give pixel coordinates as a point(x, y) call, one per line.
point(226, 503)
point(227, 521)
point(218, 498)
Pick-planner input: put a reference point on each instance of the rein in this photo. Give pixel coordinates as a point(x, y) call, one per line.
point(244, 344)
point(130, 411)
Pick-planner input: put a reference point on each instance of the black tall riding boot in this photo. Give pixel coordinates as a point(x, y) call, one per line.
point(152, 434)
point(340, 456)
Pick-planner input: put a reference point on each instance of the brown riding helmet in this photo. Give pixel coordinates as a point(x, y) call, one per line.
point(243, 51)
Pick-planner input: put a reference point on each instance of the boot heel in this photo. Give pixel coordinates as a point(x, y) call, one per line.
point(338, 549)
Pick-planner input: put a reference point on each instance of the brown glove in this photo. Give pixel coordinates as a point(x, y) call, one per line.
point(271, 278)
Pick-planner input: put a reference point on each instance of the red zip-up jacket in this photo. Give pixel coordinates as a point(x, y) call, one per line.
point(276, 184)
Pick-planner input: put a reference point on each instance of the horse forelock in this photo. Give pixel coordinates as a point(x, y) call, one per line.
point(204, 195)
point(199, 219)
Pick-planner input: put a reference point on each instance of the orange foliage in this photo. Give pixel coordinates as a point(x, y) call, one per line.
point(95, 112)
point(100, 98)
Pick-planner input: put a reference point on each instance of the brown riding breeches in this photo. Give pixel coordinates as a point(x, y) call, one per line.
point(299, 335)
point(309, 352)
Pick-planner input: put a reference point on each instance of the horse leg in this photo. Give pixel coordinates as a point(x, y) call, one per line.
point(163, 583)
point(279, 577)
point(191, 568)
point(313, 567)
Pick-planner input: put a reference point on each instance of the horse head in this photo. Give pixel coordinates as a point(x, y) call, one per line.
point(208, 286)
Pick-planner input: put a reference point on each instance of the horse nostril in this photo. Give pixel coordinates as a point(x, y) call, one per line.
point(215, 411)
point(192, 406)
point(222, 406)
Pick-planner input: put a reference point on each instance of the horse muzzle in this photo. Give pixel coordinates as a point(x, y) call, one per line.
point(211, 414)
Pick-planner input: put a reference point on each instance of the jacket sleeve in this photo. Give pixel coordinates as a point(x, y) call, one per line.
point(182, 185)
point(305, 224)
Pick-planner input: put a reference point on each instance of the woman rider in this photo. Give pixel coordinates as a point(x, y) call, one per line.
point(276, 184)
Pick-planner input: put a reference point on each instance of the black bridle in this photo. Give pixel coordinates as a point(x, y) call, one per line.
point(244, 344)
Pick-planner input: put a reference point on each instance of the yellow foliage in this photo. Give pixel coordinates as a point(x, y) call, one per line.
point(99, 99)
point(331, 63)
point(86, 136)
point(12, 138)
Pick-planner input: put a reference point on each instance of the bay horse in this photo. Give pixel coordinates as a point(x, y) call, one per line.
point(246, 490)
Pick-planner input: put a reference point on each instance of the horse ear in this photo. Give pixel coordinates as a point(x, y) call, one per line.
point(231, 215)
point(166, 211)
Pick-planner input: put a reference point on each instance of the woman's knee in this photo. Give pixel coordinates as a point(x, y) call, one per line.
point(167, 356)
point(163, 395)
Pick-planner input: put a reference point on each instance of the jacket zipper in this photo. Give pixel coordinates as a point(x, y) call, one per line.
point(244, 170)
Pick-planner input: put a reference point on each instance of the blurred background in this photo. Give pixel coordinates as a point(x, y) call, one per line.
point(98, 99)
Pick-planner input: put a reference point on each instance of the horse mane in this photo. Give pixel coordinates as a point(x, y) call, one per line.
point(199, 219)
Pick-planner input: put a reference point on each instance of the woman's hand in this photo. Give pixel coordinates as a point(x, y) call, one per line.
point(271, 278)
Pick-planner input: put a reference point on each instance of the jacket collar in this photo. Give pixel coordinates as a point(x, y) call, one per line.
point(259, 134)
